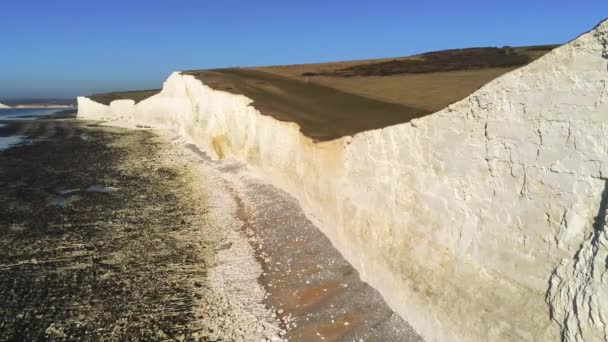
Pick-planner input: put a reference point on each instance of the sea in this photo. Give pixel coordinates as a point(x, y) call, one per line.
point(27, 113)
point(11, 114)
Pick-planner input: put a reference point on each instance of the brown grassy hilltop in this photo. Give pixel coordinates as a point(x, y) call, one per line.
point(136, 95)
point(331, 100)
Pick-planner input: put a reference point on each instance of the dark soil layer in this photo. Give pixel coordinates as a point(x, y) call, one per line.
point(88, 238)
point(322, 113)
point(137, 96)
point(447, 60)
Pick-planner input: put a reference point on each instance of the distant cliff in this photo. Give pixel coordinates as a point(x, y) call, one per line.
point(3, 106)
point(485, 221)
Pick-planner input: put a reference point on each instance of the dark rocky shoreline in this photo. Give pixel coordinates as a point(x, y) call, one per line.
point(89, 220)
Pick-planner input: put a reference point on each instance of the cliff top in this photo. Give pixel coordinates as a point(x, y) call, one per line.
point(136, 95)
point(331, 100)
point(429, 81)
point(323, 113)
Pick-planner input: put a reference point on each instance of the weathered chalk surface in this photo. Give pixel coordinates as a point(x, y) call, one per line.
point(483, 221)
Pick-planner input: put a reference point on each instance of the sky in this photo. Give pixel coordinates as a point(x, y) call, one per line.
point(66, 48)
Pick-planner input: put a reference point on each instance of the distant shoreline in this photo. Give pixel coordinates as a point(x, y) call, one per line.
point(42, 106)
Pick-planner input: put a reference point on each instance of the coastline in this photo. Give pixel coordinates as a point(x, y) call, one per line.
point(112, 236)
point(45, 106)
point(33, 106)
point(376, 195)
point(139, 200)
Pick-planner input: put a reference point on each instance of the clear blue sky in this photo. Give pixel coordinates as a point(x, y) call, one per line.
point(64, 48)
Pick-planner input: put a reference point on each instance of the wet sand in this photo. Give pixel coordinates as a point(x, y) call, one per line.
point(114, 234)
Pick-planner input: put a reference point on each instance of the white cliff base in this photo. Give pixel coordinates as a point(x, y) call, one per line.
point(483, 221)
point(3, 106)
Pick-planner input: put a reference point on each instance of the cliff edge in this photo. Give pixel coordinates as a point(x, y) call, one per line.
point(483, 221)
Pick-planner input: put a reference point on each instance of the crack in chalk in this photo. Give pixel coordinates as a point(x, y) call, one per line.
point(486, 131)
point(524, 109)
point(522, 191)
point(599, 224)
point(487, 158)
point(540, 141)
point(563, 226)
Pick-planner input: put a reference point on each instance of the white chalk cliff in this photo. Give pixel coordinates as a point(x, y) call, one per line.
point(485, 221)
point(3, 106)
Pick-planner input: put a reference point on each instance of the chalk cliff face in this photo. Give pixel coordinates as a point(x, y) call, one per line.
point(483, 221)
point(3, 106)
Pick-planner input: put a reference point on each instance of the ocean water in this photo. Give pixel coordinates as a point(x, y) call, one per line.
point(21, 114)
point(26, 113)
point(10, 141)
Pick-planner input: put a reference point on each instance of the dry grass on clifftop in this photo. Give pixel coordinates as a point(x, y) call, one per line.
point(332, 100)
